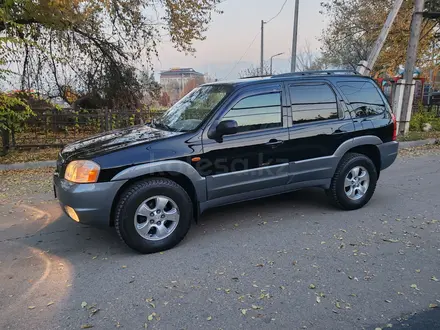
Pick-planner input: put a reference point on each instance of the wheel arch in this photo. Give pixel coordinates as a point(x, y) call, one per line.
point(180, 172)
point(366, 145)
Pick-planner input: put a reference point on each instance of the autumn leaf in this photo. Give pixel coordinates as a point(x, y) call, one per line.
point(318, 300)
point(390, 240)
point(433, 305)
point(151, 316)
point(338, 305)
point(31, 307)
point(256, 307)
point(244, 311)
point(435, 279)
point(414, 286)
point(312, 286)
point(86, 326)
point(209, 318)
point(50, 303)
point(83, 304)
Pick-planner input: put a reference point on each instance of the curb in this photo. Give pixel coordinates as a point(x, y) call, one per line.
point(413, 144)
point(25, 166)
point(52, 163)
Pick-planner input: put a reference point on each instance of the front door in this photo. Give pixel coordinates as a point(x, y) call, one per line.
point(253, 159)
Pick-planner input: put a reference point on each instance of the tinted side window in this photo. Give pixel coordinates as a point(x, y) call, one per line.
point(257, 112)
point(313, 102)
point(363, 98)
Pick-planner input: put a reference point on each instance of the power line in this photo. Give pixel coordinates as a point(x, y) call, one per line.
point(282, 7)
point(244, 54)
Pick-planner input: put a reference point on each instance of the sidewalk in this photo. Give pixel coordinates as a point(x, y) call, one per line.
point(52, 163)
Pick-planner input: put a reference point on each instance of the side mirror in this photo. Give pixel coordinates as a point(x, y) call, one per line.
point(226, 127)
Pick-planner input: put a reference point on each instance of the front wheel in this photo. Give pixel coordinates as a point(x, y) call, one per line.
point(153, 215)
point(354, 182)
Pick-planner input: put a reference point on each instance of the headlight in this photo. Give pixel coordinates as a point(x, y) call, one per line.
point(82, 171)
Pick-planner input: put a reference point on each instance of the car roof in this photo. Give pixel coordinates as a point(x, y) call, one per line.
point(297, 76)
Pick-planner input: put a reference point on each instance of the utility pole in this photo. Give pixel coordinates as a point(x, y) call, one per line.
point(262, 50)
point(365, 68)
point(294, 37)
point(408, 92)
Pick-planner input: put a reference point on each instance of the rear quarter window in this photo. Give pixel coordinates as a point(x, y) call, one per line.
point(363, 97)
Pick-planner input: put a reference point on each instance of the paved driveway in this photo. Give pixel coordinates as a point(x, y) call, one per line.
point(287, 262)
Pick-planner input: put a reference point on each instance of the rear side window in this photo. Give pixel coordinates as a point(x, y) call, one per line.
point(363, 97)
point(257, 112)
point(313, 102)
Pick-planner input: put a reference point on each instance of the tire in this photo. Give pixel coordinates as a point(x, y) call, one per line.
point(337, 193)
point(143, 197)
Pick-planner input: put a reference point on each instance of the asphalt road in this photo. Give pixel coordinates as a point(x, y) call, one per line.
point(287, 262)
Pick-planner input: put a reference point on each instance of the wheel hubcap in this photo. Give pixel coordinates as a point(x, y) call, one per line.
point(156, 218)
point(356, 183)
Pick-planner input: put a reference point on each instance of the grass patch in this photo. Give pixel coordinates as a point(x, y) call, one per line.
point(24, 156)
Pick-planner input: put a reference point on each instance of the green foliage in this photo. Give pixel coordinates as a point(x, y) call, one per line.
point(89, 48)
point(423, 116)
point(354, 26)
point(13, 111)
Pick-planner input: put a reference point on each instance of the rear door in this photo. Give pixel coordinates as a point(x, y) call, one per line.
point(320, 123)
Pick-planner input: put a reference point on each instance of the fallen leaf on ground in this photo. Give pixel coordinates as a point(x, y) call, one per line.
point(124, 266)
point(256, 307)
point(414, 286)
point(83, 304)
point(312, 286)
point(390, 240)
point(338, 305)
point(50, 303)
point(418, 270)
point(433, 305)
point(86, 326)
point(244, 311)
point(435, 279)
point(31, 307)
point(209, 318)
point(151, 316)
point(318, 300)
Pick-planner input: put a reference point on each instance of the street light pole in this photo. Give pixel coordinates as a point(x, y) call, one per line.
point(262, 50)
point(295, 37)
point(271, 58)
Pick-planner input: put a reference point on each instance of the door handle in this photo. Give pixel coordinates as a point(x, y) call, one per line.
point(274, 143)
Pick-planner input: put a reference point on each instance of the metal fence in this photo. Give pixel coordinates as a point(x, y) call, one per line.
point(55, 128)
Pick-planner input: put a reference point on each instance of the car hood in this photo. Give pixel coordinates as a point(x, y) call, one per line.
point(111, 141)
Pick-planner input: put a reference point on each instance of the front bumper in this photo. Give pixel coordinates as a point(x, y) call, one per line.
point(388, 153)
point(92, 202)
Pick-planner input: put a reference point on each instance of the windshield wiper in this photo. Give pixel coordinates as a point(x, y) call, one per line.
point(160, 125)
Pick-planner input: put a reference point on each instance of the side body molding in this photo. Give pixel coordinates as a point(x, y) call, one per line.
point(356, 142)
point(170, 166)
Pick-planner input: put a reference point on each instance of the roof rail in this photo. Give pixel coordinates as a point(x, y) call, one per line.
point(315, 73)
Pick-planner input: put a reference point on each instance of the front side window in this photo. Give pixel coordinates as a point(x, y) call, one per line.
point(257, 112)
point(363, 98)
point(193, 109)
point(313, 102)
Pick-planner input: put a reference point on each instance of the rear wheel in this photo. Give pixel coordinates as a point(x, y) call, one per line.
point(354, 182)
point(153, 215)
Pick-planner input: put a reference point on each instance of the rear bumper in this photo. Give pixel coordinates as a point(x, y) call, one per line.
point(388, 153)
point(92, 202)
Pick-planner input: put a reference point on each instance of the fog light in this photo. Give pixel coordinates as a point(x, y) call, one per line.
point(71, 213)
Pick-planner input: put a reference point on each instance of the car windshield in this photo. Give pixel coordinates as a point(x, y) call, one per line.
point(188, 113)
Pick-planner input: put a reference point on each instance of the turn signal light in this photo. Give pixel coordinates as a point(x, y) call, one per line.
point(82, 171)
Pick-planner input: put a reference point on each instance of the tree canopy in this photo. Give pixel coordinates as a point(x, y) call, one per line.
point(355, 25)
point(75, 48)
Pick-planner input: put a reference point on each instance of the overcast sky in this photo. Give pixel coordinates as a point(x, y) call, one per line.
point(231, 33)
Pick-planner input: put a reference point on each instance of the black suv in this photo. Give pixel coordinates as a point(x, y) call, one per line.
point(228, 142)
